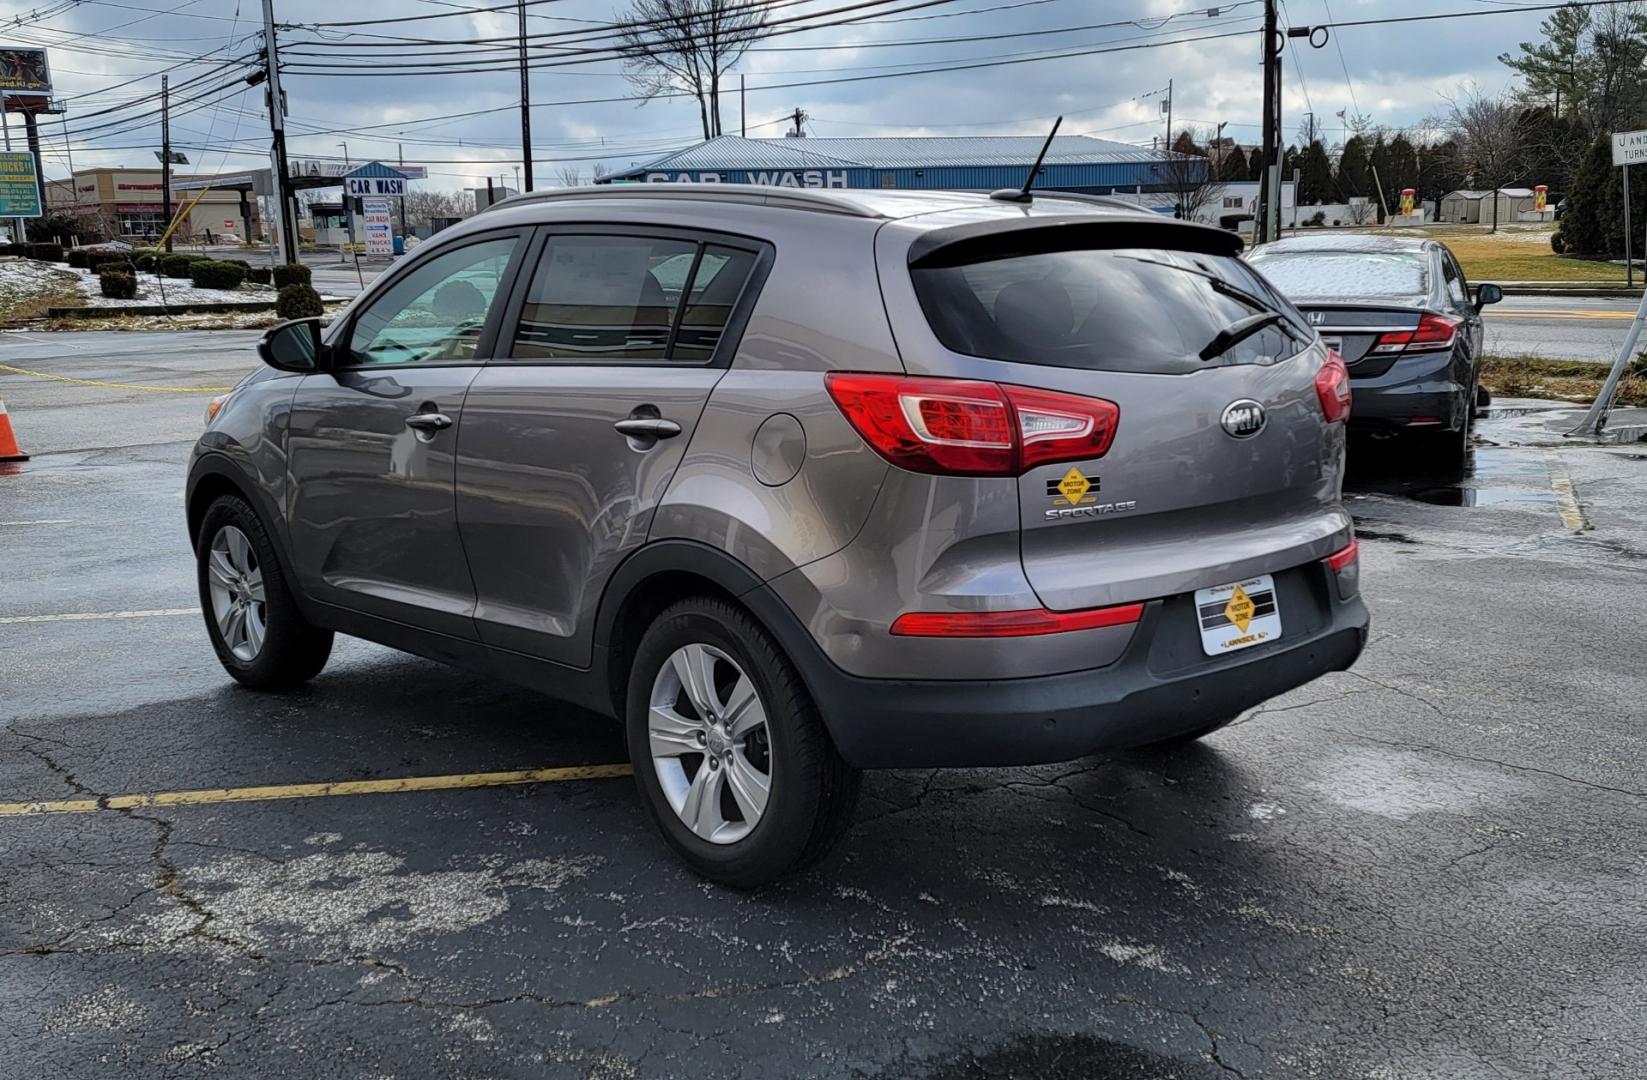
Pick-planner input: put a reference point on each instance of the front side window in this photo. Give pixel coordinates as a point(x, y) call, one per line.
point(628, 298)
point(437, 311)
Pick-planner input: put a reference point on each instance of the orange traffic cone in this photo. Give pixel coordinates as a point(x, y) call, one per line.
point(9, 450)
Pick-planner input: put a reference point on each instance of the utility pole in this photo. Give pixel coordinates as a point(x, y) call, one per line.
point(166, 157)
point(1168, 143)
point(1269, 191)
point(525, 99)
point(799, 117)
point(743, 109)
point(400, 158)
point(286, 205)
point(32, 127)
point(1218, 144)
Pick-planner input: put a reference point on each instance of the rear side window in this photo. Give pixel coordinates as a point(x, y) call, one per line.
point(1306, 275)
point(1123, 309)
point(630, 298)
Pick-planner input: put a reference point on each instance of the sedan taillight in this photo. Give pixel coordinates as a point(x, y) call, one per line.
point(962, 427)
point(1434, 332)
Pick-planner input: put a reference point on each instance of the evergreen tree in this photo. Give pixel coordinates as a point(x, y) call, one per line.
point(1554, 68)
point(1593, 223)
point(1234, 166)
point(1185, 144)
point(1352, 177)
point(1378, 175)
point(1403, 171)
point(1315, 185)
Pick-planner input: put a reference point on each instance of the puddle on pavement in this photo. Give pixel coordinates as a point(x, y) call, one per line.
point(1495, 476)
point(1378, 534)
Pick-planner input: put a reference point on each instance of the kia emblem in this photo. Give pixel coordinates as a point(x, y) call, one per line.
point(1243, 419)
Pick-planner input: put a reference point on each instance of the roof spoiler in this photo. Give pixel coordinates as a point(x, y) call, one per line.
point(999, 239)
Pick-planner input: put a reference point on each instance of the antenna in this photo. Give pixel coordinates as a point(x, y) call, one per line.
point(1022, 195)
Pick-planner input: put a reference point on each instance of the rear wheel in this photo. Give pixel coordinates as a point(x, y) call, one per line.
point(733, 762)
point(260, 637)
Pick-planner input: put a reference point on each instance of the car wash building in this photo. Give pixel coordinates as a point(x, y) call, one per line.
point(1075, 163)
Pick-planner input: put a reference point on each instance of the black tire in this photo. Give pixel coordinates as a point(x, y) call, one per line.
point(1448, 452)
point(814, 790)
point(1483, 399)
point(293, 650)
point(1184, 738)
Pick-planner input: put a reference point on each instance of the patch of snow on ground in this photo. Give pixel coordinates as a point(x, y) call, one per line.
point(177, 291)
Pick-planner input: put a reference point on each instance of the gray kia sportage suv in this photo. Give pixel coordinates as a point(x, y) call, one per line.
point(796, 483)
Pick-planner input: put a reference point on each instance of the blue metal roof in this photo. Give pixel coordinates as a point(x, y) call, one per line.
point(729, 152)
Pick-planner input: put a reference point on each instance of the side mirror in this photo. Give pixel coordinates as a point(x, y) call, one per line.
point(1487, 294)
point(292, 346)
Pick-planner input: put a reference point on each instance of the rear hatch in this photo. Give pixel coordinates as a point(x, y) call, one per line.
point(1194, 491)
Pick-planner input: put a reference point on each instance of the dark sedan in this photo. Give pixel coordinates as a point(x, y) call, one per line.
point(1400, 313)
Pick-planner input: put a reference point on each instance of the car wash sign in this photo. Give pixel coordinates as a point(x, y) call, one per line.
point(787, 178)
point(374, 180)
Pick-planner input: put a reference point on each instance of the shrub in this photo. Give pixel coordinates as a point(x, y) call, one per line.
point(298, 301)
point(77, 258)
point(1319, 218)
point(259, 274)
point(119, 284)
point(175, 265)
point(147, 261)
point(242, 263)
point(292, 274)
point(44, 252)
point(210, 274)
point(1557, 244)
point(99, 261)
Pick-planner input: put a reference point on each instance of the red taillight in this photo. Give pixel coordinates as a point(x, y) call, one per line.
point(1332, 386)
point(1344, 556)
point(977, 624)
point(1434, 332)
point(967, 428)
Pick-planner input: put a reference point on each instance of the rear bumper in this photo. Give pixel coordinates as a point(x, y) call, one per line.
point(1162, 685)
point(1420, 385)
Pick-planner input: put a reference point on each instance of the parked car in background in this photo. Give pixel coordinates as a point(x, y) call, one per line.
point(796, 483)
point(1407, 323)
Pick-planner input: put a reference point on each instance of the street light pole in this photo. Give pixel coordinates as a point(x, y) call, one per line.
point(525, 100)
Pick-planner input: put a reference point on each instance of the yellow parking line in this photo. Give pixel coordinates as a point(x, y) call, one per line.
point(1572, 514)
point(268, 793)
point(1582, 315)
point(116, 385)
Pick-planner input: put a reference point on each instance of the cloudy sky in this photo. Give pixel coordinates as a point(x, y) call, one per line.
point(107, 57)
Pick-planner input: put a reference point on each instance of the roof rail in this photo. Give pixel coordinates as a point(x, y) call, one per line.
point(817, 200)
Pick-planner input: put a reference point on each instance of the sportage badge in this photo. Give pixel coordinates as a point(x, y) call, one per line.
point(1243, 419)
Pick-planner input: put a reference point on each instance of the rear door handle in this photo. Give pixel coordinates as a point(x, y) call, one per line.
point(647, 427)
point(429, 421)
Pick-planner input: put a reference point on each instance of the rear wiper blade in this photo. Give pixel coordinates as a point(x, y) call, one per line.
point(1237, 332)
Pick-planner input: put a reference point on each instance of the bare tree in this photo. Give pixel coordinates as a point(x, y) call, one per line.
point(601, 171)
point(569, 176)
point(670, 46)
point(1490, 139)
point(1188, 175)
point(423, 206)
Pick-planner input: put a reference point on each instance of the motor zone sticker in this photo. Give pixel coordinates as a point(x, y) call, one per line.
point(1238, 615)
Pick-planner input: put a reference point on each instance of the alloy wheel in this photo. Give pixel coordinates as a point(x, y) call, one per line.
point(711, 748)
point(235, 582)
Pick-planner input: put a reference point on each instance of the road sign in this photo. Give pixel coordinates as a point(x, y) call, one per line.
point(379, 234)
point(1629, 147)
point(19, 187)
point(376, 185)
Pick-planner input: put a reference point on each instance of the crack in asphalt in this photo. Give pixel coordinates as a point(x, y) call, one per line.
point(1455, 755)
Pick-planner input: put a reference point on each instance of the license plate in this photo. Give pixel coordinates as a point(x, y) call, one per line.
point(1238, 615)
point(1336, 344)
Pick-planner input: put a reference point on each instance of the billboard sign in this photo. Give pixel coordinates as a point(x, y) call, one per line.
point(23, 73)
point(19, 185)
point(379, 236)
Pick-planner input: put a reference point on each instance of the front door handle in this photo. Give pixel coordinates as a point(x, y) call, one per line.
point(647, 427)
point(429, 421)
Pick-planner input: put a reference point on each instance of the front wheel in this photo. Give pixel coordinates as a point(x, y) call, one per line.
point(259, 635)
point(733, 762)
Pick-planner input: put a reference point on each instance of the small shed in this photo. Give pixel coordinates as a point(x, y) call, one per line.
point(1470, 207)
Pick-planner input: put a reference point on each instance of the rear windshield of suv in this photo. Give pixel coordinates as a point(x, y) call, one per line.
point(1116, 309)
point(1309, 275)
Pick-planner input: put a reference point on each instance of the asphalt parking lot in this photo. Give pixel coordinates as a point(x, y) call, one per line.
point(1429, 867)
